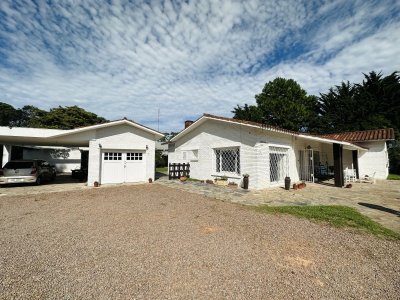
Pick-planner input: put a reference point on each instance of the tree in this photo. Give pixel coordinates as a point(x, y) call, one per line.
point(70, 117)
point(248, 113)
point(282, 103)
point(31, 116)
point(8, 114)
point(337, 109)
point(372, 104)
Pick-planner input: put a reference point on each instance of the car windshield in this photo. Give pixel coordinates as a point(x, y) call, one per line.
point(19, 165)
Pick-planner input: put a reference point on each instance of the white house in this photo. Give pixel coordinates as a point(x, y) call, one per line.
point(223, 147)
point(119, 151)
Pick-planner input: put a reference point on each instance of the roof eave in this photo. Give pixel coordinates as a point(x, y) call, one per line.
point(109, 124)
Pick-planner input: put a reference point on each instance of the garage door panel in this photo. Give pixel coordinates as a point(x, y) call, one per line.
point(135, 167)
point(120, 167)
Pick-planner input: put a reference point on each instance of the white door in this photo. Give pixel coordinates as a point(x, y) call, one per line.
point(123, 166)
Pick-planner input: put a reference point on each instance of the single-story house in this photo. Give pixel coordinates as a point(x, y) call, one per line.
point(119, 151)
point(223, 147)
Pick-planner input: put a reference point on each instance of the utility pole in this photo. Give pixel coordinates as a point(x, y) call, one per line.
point(158, 120)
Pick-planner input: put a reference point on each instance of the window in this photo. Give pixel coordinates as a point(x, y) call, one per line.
point(227, 160)
point(134, 156)
point(192, 155)
point(112, 156)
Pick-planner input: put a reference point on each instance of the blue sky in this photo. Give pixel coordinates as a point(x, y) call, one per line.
point(131, 58)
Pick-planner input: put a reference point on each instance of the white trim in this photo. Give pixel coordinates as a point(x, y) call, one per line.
point(227, 175)
point(278, 146)
point(105, 125)
point(234, 145)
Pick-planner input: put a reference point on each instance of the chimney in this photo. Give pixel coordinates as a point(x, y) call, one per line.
point(188, 123)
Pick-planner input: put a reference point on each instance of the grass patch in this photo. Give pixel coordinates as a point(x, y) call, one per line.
point(162, 170)
point(193, 179)
point(336, 215)
point(393, 177)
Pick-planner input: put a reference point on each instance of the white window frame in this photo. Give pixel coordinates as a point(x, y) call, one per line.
point(191, 155)
point(238, 166)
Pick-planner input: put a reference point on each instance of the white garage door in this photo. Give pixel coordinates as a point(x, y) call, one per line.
point(126, 166)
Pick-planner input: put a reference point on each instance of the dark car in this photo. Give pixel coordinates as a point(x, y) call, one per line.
point(27, 171)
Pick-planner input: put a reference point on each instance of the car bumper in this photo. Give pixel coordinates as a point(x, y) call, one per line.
point(17, 179)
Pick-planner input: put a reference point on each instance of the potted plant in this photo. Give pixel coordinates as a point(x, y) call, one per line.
point(246, 181)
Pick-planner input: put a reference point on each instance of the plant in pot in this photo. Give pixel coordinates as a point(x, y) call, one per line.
point(246, 181)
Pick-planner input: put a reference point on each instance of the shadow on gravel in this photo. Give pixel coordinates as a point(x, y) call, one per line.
point(381, 208)
point(159, 175)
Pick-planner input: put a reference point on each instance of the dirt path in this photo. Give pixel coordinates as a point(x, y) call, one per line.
point(151, 241)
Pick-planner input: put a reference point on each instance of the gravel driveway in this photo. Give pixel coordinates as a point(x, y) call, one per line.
point(151, 241)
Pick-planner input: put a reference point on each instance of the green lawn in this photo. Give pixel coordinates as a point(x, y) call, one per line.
point(162, 170)
point(336, 215)
point(393, 177)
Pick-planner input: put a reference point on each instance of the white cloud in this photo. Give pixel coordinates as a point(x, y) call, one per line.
point(202, 56)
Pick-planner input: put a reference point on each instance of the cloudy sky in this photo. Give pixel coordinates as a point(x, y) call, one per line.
point(131, 58)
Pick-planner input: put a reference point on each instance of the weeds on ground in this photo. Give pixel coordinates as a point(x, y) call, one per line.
point(193, 179)
point(336, 215)
point(162, 170)
point(393, 177)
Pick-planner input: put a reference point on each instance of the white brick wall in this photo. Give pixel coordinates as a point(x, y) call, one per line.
point(254, 152)
point(254, 156)
point(94, 169)
point(121, 138)
point(374, 160)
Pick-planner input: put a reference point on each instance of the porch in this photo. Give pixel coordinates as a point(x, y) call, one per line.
point(320, 161)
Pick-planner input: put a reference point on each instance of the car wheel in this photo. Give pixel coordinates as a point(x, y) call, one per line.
point(38, 181)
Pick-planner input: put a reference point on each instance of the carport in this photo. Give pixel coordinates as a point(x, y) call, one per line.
point(119, 151)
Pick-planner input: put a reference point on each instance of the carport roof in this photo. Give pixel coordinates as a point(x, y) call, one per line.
point(54, 137)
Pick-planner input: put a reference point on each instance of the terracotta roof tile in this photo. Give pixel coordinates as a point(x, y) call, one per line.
point(362, 136)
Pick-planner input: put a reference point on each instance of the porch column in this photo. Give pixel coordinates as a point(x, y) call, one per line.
point(338, 164)
point(355, 162)
point(94, 166)
point(6, 157)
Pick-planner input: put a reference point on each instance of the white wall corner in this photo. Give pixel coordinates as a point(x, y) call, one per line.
point(94, 167)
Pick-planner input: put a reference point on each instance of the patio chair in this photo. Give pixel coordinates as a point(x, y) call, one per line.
point(369, 178)
point(350, 175)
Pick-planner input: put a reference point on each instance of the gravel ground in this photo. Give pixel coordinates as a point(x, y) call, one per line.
point(151, 241)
